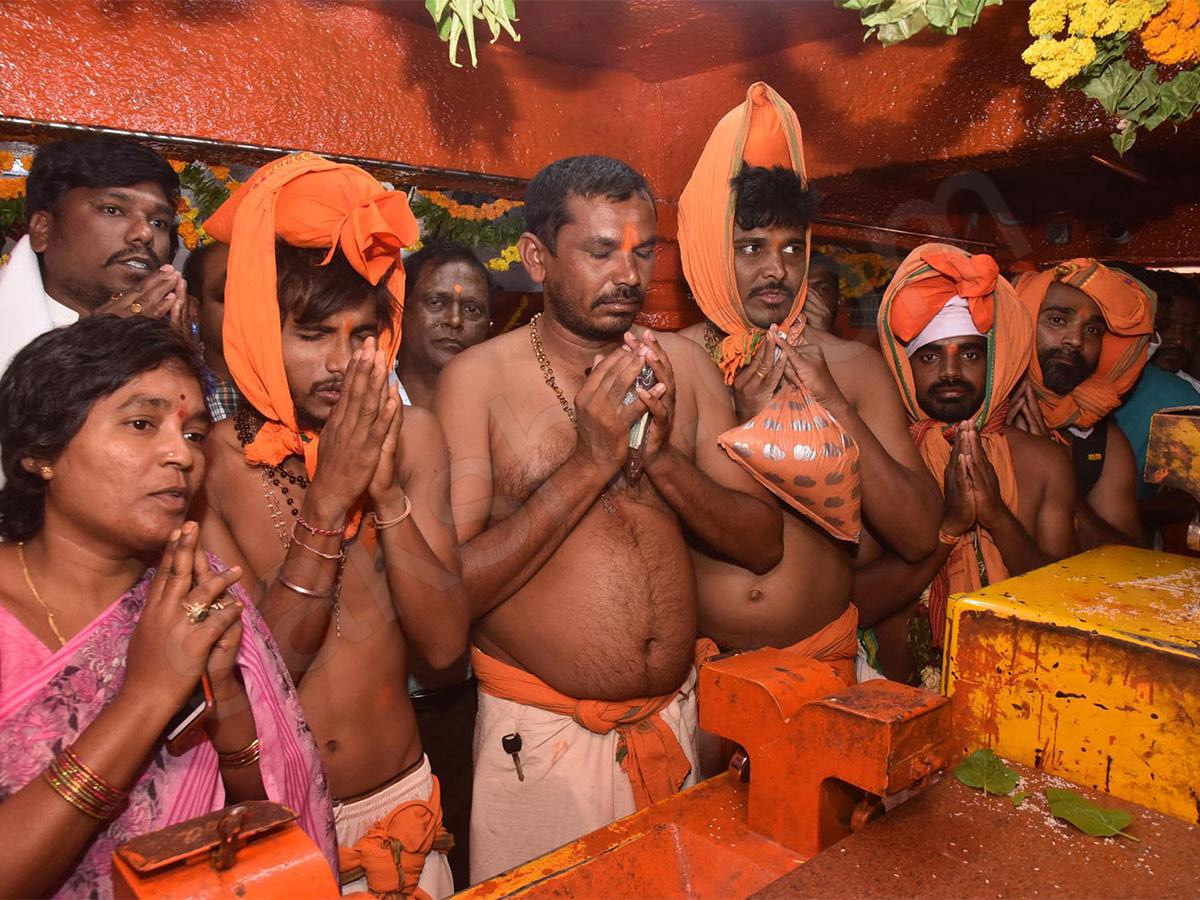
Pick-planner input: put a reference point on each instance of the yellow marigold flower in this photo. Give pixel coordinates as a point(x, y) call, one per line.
point(232, 185)
point(4, 258)
point(6, 161)
point(177, 165)
point(1056, 62)
point(219, 172)
point(1047, 16)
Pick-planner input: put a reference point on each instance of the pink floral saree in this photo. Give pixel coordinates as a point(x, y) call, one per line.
point(48, 698)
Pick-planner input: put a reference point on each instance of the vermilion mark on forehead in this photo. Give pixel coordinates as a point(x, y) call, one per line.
point(458, 289)
point(629, 238)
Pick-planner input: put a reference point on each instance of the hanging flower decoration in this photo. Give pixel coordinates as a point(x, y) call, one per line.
point(1082, 45)
point(859, 274)
point(1173, 36)
point(494, 224)
point(455, 19)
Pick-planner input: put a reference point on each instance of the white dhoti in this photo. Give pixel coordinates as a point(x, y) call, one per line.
point(353, 818)
point(573, 783)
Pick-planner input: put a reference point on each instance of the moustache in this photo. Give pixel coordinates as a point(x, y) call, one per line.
point(772, 287)
point(334, 384)
point(1070, 358)
point(146, 254)
point(620, 294)
point(952, 384)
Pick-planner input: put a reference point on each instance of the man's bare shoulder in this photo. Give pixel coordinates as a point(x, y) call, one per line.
point(1036, 457)
point(223, 448)
point(421, 429)
point(483, 365)
point(694, 333)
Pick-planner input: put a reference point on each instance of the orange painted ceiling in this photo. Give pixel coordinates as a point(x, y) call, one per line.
point(659, 40)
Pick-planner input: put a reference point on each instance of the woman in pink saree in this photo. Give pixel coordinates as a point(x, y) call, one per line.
point(100, 427)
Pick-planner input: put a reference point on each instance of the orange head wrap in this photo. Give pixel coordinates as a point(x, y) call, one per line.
point(1128, 309)
point(762, 131)
point(794, 447)
point(306, 201)
point(925, 282)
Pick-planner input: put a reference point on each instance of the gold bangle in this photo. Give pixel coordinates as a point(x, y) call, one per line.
point(300, 589)
point(381, 524)
point(948, 539)
point(76, 783)
point(240, 759)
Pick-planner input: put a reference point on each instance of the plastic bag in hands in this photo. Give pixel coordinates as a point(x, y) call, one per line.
point(798, 451)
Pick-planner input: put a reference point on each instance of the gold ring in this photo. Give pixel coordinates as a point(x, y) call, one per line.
point(196, 612)
point(762, 376)
point(135, 308)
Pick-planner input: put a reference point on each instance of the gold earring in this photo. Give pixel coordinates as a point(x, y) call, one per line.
point(46, 472)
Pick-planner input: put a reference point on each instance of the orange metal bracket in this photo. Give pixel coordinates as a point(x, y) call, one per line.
point(807, 747)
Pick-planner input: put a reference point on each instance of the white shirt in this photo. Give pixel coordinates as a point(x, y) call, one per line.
point(26, 310)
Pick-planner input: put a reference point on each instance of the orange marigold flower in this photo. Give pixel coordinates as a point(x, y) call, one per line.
point(12, 188)
point(1173, 36)
point(6, 161)
point(221, 173)
point(177, 165)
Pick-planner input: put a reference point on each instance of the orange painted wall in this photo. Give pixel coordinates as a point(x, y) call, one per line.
point(327, 76)
point(865, 106)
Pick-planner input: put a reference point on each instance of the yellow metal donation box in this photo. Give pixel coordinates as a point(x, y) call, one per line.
point(1088, 668)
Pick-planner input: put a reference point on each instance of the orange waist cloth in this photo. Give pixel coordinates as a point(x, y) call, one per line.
point(393, 851)
point(652, 759)
point(835, 644)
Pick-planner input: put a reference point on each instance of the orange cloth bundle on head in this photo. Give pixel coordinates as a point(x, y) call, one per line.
point(794, 447)
point(1128, 309)
point(927, 281)
point(306, 201)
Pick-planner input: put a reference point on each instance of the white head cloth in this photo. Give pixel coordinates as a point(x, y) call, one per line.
point(954, 320)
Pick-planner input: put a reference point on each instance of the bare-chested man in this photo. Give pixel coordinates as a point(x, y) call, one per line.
point(958, 342)
point(1093, 329)
point(310, 337)
point(574, 555)
point(804, 602)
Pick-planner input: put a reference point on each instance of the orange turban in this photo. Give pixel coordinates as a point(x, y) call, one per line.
point(762, 131)
point(794, 447)
point(1128, 309)
point(306, 201)
point(925, 282)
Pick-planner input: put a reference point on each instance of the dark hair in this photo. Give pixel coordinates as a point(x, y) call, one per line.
point(438, 254)
point(96, 162)
point(583, 176)
point(51, 386)
point(1168, 285)
point(772, 198)
point(816, 260)
point(193, 269)
point(312, 292)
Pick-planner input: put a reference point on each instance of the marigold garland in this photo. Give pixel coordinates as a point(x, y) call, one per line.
point(1173, 36)
point(205, 187)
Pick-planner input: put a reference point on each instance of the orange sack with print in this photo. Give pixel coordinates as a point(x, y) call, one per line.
point(794, 446)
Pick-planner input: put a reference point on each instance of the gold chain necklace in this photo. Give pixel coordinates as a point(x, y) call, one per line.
point(543, 361)
point(712, 338)
point(38, 597)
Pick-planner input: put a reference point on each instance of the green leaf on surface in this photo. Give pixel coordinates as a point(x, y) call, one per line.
point(984, 769)
point(1085, 815)
point(1019, 797)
